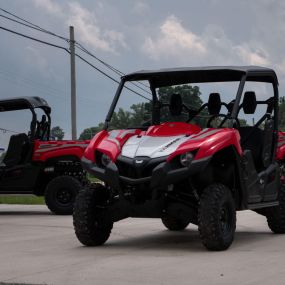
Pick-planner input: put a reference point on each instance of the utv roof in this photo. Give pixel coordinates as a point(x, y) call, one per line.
point(21, 103)
point(175, 76)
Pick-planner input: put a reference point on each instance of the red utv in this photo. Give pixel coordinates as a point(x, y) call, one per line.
point(34, 164)
point(182, 171)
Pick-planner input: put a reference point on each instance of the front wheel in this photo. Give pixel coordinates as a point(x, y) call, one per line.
point(217, 217)
point(91, 218)
point(60, 194)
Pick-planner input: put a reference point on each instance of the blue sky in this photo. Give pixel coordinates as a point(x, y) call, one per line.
point(131, 35)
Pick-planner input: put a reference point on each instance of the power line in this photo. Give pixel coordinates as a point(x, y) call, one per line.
point(110, 77)
point(28, 80)
point(38, 28)
point(7, 130)
point(31, 25)
point(80, 46)
point(38, 89)
point(36, 85)
point(21, 23)
point(118, 72)
point(65, 49)
point(34, 39)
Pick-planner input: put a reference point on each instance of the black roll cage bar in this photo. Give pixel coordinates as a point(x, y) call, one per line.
point(265, 75)
point(29, 103)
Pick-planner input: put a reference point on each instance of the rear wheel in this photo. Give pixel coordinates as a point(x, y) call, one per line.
point(174, 223)
point(91, 218)
point(60, 194)
point(217, 217)
point(276, 215)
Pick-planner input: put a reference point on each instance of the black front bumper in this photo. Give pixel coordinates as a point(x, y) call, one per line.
point(162, 175)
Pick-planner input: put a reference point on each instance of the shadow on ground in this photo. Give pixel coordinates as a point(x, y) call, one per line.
point(178, 241)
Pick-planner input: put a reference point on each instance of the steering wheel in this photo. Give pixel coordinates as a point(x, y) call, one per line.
point(223, 116)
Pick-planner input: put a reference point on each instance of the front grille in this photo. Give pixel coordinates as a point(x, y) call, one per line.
point(129, 168)
point(126, 169)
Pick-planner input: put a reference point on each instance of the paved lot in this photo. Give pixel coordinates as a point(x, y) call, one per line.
point(37, 247)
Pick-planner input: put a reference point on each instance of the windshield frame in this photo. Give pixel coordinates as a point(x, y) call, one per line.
point(234, 113)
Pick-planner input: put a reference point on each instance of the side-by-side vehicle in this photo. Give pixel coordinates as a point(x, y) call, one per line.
point(35, 164)
point(182, 171)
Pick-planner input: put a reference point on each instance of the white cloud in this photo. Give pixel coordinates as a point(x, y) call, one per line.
point(87, 29)
point(115, 37)
point(173, 40)
point(86, 26)
point(50, 6)
point(212, 47)
point(257, 57)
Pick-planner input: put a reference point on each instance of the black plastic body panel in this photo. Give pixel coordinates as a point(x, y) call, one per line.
point(162, 175)
point(251, 179)
point(261, 187)
point(19, 179)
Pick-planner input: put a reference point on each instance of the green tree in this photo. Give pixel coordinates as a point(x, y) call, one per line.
point(57, 132)
point(121, 119)
point(243, 122)
point(89, 133)
point(190, 97)
point(141, 113)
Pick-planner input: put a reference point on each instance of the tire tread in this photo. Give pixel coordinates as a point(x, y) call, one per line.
point(85, 216)
point(208, 213)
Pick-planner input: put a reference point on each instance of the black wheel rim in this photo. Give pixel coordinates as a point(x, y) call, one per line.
point(64, 196)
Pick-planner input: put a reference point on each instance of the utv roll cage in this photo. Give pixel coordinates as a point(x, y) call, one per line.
point(31, 103)
point(178, 76)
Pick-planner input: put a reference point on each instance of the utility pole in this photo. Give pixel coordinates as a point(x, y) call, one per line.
point(73, 83)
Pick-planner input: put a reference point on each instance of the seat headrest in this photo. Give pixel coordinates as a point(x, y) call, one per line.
point(249, 102)
point(175, 104)
point(214, 103)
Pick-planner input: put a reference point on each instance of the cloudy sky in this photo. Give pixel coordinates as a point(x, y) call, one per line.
point(132, 35)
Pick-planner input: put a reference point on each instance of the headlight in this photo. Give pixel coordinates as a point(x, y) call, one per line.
point(186, 158)
point(105, 159)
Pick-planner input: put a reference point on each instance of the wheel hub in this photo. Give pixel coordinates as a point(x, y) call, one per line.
point(63, 196)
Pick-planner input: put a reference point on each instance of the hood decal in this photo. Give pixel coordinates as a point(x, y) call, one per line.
point(204, 134)
point(154, 147)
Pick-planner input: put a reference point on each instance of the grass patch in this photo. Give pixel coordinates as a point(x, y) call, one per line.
point(21, 199)
point(29, 199)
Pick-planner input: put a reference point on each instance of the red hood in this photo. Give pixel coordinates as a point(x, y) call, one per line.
point(168, 139)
